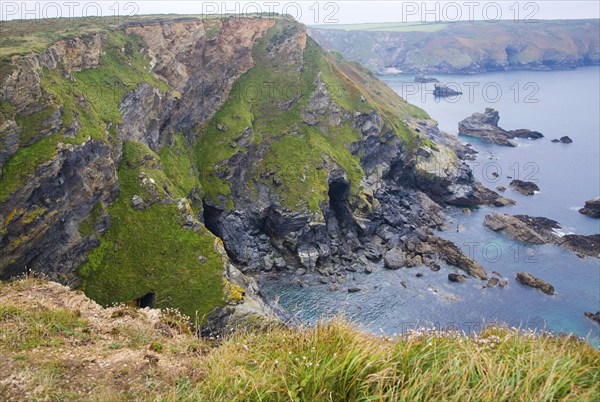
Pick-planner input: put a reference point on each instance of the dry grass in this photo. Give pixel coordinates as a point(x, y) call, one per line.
point(78, 350)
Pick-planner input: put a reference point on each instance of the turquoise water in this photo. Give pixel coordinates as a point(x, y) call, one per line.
point(554, 103)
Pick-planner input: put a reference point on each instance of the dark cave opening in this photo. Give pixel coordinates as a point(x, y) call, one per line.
point(339, 192)
point(211, 216)
point(147, 300)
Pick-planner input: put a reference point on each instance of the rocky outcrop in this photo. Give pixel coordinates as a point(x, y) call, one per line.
point(591, 208)
point(309, 180)
point(421, 79)
point(593, 316)
point(540, 230)
point(563, 140)
point(445, 91)
point(485, 126)
point(537, 283)
point(524, 187)
point(40, 225)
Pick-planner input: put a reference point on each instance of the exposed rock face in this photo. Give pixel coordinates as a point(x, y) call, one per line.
point(540, 230)
point(485, 126)
point(591, 208)
point(379, 195)
point(41, 221)
point(524, 187)
point(200, 67)
point(537, 283)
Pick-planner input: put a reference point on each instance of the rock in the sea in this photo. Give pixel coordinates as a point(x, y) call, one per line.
point(394, 259)
point(459, 278)
point(485, 126)
point(444, 91)
point(421, 79)
point(593, 316)
point(524, 187)
point(540, 230)
point(353, 290)
point(537, 283)
point(137, 203)
point(563, 140)
point(501, 188)
point(513, 227)
point(591, 208)
point(566, 140)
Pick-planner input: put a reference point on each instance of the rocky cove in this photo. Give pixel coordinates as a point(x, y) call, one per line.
point(186, 181)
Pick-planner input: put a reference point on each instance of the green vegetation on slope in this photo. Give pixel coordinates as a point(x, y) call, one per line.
point(268, 100)
point(149, 251)
point(124, 354)
point(93, 96)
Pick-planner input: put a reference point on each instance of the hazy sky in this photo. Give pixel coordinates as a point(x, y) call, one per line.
point(313, 12)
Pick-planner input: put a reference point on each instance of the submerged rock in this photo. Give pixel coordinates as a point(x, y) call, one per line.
point(537, 283)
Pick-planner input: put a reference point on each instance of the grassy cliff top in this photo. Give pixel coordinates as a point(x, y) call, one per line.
point(59, 345)
point(25, 36)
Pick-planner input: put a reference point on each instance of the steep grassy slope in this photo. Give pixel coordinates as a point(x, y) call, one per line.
point(268, 102)
point(148, 251)
point(71, 349)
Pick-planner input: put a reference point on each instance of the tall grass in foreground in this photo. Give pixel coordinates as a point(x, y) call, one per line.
point(56, 345)
point(337, 362)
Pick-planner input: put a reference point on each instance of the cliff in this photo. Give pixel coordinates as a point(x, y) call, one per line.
point(159, 160)
point(467, 47)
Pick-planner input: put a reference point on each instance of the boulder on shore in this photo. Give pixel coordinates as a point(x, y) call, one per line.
point(529, 280)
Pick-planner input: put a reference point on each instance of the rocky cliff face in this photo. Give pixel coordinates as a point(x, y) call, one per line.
point(470, 47)
point(163, 160)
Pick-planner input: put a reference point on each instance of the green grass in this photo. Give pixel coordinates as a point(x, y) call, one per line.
point(295, 150)
point(30, 328)
point(179, 166)
point(102, 88)
point(333, 361)
point(149, 251)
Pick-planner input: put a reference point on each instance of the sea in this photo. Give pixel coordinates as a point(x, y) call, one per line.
point(555, 103)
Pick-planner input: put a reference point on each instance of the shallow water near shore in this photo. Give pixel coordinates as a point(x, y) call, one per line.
point(555, 103)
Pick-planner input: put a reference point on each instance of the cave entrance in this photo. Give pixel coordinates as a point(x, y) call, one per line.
point(211, 217)
point(339, 192)
point(147, 300)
